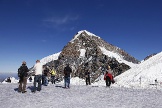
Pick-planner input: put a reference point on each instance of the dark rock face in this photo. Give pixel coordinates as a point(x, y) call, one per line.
point(84, 53)
point(149, 56)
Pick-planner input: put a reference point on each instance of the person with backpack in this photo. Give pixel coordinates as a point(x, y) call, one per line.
point(108, 77)
point(38, 68)
point(53, 74)
point(22, 74)
point(67, 72)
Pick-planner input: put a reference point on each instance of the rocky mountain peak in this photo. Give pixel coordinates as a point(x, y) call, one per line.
point(87, 51)
point(83, 33)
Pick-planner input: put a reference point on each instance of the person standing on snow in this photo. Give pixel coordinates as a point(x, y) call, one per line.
point(108, 77)
point(46, 72)
point(38, 68)
point(22, 74)
point(53, 74)
point(87, 76)
point(67, 72)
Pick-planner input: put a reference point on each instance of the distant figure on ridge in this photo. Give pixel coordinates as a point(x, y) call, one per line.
point(22, 74)
point(67, 72)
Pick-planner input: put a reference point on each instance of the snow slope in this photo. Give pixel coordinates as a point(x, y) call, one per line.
point(79, 96)
point(118, 57)
point(50, 58)
point(144, 74)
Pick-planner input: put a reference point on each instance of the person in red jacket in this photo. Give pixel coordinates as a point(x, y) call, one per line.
point(108, 77)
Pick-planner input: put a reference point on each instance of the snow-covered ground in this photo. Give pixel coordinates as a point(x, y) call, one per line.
point(143, 75)
point(79, 96)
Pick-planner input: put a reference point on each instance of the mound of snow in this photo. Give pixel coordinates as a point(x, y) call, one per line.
point(13, 80)
point(143, 75)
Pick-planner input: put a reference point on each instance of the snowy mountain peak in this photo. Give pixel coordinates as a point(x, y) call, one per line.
point(88, 51)
point(83, 32)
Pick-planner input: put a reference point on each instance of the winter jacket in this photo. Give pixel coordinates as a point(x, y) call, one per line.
point(87, 74)
point(38, 68)
point(67, 71)
point(24, 70)
point(46, 71)
point(53, 72)
point(109, 75)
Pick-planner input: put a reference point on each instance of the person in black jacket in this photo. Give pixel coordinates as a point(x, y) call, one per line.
point(87, 76)
point(22, 74)
point(67, 72)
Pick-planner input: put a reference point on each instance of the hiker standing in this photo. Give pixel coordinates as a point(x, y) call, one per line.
point(87, 76)
point(22, 74)
point(108, 77)
point(46, 72)
point(53, 74)
point(67, 72)
point(38, 75)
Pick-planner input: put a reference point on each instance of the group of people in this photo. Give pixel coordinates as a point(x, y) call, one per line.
point(42, 74)
point(48, 74)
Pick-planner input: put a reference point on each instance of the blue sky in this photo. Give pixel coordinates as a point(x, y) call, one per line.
point(33, 29)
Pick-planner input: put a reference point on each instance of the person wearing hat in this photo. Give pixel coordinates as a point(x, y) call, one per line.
point(22, 74)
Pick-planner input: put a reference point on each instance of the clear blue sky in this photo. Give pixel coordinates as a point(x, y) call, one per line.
point(33, 29)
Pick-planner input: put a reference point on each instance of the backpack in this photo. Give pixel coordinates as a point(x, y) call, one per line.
point(20, 72)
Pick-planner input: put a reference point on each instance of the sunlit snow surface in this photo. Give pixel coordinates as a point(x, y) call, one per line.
point(79, 96)
point(143, 75)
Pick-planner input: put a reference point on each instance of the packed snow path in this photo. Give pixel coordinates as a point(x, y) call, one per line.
point(80, 96)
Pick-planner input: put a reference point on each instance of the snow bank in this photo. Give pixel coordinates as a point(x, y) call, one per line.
point(143, 75)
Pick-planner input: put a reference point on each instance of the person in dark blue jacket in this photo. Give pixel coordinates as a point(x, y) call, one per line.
point(67, 72)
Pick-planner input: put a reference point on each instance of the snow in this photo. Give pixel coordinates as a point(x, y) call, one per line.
point(143, 75)
point(118, 57)
point(14, 80)
point(89, 33)
point(82, 52)
point(50, 58)
point(79, 96)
